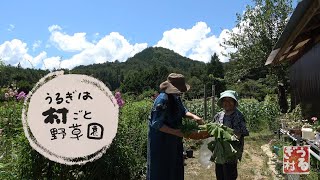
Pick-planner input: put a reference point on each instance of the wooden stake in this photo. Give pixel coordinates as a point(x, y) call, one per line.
point(205, 103)
point(213, 100)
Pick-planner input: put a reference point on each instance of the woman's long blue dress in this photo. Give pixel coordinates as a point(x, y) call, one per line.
point(165, 151)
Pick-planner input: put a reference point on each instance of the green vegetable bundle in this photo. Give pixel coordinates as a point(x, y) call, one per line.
point(224, 145)
point(188, 126)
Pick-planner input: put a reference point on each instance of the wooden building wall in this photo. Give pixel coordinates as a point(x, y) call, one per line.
point(305, 82)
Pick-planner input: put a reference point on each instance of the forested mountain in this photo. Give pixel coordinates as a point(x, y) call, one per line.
point(145, 70)
point(18, 77)
point(159, 56)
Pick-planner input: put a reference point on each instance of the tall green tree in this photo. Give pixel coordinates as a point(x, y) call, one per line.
point(214, 75)
point(258, 30)
point(1, 63)
point(215, 67)
point(196, 89)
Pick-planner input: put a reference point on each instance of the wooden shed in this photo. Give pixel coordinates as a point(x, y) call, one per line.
point(299, 44)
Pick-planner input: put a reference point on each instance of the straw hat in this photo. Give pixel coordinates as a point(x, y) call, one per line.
point(175, 84)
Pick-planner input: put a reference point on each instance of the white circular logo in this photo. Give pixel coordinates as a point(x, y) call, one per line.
point(70, 119)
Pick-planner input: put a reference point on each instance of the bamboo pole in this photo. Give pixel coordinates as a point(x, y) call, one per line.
point(205, 103)
point(213, 100)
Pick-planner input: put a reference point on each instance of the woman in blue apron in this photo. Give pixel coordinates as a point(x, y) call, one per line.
point(165, 149)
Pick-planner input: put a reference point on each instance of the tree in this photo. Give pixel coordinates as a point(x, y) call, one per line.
point(215, 67)
point(214, 75)
point(258, 30)
point(196, 89)
point(1, 63)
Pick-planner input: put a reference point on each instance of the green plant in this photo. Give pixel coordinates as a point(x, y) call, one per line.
point(197, 107)
point(296, 113)
point(11, 132)
point(258, 115)
point(315, 124)
point(124, 159)
point(148, 94)
point(293, 119)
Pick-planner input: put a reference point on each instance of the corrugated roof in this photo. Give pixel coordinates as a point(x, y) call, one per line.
point(301, 33)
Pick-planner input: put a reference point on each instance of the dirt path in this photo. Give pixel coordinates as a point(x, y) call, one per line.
point(254, 164)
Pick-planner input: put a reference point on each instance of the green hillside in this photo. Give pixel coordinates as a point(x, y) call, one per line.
point(146, 70)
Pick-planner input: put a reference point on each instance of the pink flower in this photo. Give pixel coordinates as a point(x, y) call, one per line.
point(21, 96)
point(12, 94)
point(120, 101)
point(314, 119)
point(117, 95)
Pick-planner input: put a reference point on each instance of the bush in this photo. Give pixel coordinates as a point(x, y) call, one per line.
point(148, 94)
point(125, 158)
point(271, 111)
point(259, 115)
point(254, 88)
point(197, 107)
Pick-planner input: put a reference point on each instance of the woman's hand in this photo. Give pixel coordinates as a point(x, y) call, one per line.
point(169, 130)
point(199, 120)
point(178, 133)
point(195, 118)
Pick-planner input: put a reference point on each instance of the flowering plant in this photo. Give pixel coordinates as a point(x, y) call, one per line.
point(21, 96)
point(14, 95)
point(315, 124)
point(10, 94)
point(119, 99)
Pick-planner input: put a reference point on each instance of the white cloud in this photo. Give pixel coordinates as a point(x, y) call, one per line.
point(11, 27)
point(110, 48)
point(210, 45)
point(181, 40)
point(52, 62)
point(38, 60)
point(54, 28)
point(15, 51)
point(96, 36)
point(12, 52)
point(36, 45)
point(195, 43)
point(76, 42)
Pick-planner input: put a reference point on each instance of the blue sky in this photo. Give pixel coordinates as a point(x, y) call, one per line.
point(68, 33)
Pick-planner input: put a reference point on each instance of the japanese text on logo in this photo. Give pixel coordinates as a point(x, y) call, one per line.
point(296, 159)
point(71, 119)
